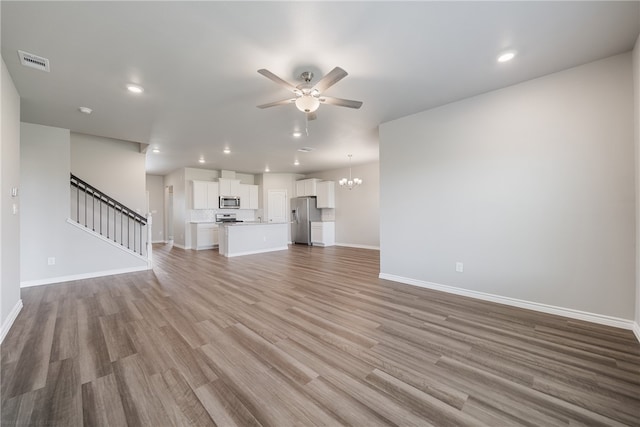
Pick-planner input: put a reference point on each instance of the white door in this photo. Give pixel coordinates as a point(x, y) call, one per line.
point(277, 206)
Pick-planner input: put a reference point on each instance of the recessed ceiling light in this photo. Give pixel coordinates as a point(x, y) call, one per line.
point(135, 88)
point(226, 151)
point(297, 134)
point(85, 110)
point(201, 160)
point(155, 150)
point(506, 56)
point(267, 169)
point(296, 163)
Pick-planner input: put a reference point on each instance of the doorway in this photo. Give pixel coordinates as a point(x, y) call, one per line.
point(169, 213)
point(277, 206)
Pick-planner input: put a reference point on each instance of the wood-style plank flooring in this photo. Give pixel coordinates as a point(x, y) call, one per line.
point(308, 336)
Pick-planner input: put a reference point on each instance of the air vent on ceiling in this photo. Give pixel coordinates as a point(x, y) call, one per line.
point(305, 149)
point(33, 61)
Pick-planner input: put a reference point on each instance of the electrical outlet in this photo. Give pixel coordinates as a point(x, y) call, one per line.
point(51, 260)
point(459, 267)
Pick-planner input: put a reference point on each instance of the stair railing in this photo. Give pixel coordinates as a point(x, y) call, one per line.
point(104, 215)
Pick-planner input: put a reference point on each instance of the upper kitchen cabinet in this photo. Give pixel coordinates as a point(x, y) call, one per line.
point(205, 195)
point(326, 192)
point(248, 196)
point(307, 187)
point(229, 187)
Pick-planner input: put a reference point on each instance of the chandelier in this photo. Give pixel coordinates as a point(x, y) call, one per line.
point(350, 183)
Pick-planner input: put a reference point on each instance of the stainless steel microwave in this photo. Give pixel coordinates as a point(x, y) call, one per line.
point(228, 202)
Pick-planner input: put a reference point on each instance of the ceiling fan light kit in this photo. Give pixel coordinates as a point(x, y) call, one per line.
point(307, 103)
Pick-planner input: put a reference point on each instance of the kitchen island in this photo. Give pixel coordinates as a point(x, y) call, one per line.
point(246, 238)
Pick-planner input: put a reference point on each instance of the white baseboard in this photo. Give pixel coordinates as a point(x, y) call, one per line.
point(60, 279)
point(175, 245)
point(544, 308)
point(636, 330)
point(260, 251)
point(6, 325)
point(353, 245)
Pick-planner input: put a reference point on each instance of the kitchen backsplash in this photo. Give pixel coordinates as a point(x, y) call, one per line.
point(328, 215)
point(209, 215)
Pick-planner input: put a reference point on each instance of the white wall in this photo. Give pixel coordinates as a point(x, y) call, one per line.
point(531, 187)
point(45, 154)
point(357, 212)
point(113, 166)
point(10, 302)
point(155, 188)
point(636, 82)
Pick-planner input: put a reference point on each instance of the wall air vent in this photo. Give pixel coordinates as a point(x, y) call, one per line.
point(33, 61)
point(305, 149)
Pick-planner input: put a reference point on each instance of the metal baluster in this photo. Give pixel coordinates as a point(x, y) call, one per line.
point(93, 210)
point(85, 206)
point(78, 203)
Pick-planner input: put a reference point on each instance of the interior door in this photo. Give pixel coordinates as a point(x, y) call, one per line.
point(277, 206)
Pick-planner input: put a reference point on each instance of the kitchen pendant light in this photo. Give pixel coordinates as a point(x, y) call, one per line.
point(350, 183)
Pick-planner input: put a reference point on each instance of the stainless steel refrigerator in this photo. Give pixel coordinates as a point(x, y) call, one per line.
point(303, 211)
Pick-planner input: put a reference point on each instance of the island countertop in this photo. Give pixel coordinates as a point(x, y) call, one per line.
point(241, 224)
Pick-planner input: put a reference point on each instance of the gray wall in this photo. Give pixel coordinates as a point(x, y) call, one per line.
point(9, 178)
point(155, 189)
point(113, 166)
point(531, 187)
point(357, 212)
point(636, 81)
point(45, 154)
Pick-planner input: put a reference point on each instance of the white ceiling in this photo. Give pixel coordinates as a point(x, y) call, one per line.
point(198, 63)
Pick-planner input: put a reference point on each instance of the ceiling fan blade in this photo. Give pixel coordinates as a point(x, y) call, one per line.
point(276, 103)
point(340, 102)
point(312, 116)
point(268, 74)
point(330, 79)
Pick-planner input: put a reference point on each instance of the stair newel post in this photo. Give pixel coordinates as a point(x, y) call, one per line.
point(149, 246)
point(77, 203)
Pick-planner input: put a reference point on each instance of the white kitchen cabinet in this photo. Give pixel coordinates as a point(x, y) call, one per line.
point(323, 233)
point(205, 195)
point(248, 196)
point(229, 187)
point(253, 197)
point(307, 187)
point(204, 235)
point(326, 192)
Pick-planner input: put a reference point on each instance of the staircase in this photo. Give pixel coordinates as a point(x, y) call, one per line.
point(104, 216)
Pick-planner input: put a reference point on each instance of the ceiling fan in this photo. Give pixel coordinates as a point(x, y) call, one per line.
point(308, 97)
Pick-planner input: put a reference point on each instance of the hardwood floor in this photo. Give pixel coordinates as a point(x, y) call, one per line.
point(308, 336)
